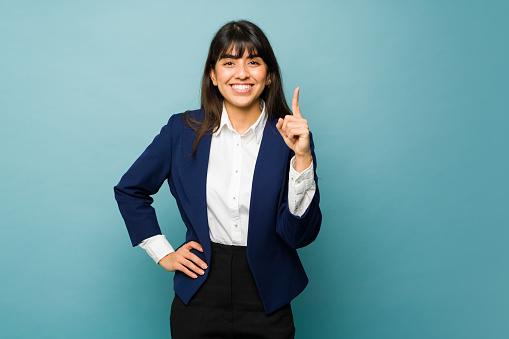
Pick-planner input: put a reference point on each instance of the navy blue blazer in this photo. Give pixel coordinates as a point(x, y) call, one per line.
point(274, 233)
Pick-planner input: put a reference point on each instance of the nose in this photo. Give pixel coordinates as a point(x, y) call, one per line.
point(242, 71)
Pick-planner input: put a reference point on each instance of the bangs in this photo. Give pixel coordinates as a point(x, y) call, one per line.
point(237, 48)
point(237, 41)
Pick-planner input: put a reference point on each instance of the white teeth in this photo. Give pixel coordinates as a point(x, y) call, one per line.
point(241, 87)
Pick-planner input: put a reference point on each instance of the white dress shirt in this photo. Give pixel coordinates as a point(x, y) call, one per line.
point(230, 172)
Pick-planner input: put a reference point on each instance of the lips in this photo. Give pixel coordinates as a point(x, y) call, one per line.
point(241, 88)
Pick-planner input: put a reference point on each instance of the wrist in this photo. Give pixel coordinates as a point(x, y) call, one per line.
point(302, 162)
point(166, 262)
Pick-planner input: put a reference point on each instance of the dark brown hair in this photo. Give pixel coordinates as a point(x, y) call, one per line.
point(236, 37)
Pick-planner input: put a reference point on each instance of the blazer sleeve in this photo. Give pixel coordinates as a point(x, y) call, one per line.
point(300, 231)
point(143, 179)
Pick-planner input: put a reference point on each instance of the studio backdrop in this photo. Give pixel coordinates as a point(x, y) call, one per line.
point(408, 105)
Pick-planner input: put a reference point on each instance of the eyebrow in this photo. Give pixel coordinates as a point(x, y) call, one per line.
point(231, 56)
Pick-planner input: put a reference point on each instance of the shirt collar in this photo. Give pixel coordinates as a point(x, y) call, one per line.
point(257, 128)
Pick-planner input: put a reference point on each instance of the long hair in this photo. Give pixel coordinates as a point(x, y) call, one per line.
point(237, 37)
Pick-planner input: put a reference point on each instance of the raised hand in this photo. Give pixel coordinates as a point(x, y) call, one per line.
point(295, 132)
point(184, 260)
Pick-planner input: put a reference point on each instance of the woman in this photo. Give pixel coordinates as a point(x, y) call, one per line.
point(242, 170)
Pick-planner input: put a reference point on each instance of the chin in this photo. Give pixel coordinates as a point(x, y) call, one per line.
point(243, 103)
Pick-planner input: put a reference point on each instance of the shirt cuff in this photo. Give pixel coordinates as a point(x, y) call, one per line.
point(157, 247)
point(301, 189)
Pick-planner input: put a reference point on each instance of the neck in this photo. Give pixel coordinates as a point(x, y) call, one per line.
point(242, 118)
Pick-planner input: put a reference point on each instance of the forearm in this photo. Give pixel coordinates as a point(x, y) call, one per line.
point(301, 188)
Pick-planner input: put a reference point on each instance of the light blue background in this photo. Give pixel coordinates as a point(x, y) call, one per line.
point(408, 102)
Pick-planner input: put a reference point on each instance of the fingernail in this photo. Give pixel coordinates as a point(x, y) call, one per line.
point(195, 276)
point(202, 273)
point(204, 266)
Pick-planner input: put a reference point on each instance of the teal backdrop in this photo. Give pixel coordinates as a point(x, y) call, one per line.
point(408, 103)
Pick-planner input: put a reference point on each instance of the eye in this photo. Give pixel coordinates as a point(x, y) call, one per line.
point(228, 63)
point(256, 63)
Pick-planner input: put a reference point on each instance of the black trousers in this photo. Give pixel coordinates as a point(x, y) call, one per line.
point(228, 305)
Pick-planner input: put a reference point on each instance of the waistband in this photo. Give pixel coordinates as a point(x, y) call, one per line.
point(228, 249)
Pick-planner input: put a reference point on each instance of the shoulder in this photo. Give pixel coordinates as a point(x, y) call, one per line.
point(182, 120)
point(197, 114)
point(193, 115)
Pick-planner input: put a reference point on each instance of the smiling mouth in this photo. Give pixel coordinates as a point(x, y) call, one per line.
point(241, 88)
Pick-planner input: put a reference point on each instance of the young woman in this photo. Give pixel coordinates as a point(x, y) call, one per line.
point(242, 170)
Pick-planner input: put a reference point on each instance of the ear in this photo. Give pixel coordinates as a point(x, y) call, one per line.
point(268, 81)
point(213, 77)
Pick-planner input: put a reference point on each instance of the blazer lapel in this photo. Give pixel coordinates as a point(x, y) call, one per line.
point(193, 173)
point(269, 178)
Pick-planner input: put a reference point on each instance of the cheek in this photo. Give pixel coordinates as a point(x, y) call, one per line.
point(262, 75)
point(222, 89)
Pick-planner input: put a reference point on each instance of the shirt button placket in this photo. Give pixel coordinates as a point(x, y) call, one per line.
point(235, 185)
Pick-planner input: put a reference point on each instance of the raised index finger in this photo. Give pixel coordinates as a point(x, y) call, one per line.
point(295, 103)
